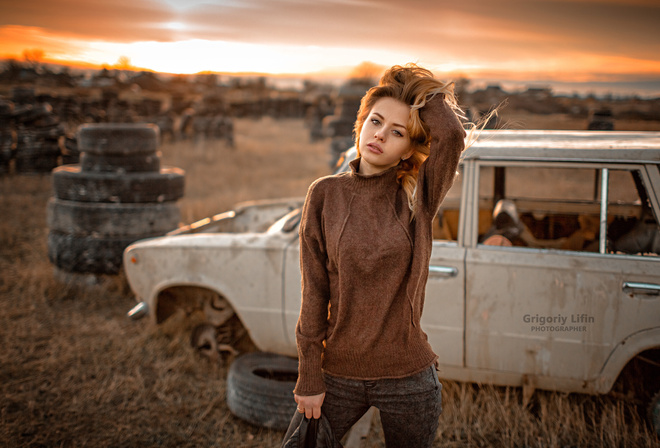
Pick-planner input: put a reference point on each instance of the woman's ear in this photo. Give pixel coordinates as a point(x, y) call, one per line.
point(407, 155)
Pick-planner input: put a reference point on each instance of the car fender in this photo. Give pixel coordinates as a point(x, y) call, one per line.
point(223, 263)
point(623, 353)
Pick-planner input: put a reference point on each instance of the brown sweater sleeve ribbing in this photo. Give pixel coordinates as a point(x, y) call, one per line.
point(437, 173)
point(315, 295)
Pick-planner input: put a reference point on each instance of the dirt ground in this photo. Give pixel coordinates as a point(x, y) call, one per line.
point(75, 371)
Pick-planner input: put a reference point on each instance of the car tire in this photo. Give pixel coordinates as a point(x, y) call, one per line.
point(111, 163)
point(653, 413)
point(87, 254)
point(118, 138)
point(260, 389)
point(111, 219)
point(73, 184)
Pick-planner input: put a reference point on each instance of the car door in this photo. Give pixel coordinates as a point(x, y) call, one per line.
point(443, 317)
point(555, 304)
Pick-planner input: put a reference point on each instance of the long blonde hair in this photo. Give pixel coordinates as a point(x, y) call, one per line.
point(414, 86)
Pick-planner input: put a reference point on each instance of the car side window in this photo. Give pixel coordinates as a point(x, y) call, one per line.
point(558, 208)
point(445, 224)
point(539, 207)
point(632, 227)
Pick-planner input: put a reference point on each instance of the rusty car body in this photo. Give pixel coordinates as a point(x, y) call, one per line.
point(544, 271)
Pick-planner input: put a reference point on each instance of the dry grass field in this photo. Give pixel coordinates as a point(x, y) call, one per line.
point(75, 371)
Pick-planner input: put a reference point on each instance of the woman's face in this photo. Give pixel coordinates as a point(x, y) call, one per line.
point(384, 138)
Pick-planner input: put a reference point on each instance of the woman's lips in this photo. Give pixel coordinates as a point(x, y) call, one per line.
point(375, 148)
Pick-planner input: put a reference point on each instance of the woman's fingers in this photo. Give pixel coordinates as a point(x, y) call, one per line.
point(310, 405)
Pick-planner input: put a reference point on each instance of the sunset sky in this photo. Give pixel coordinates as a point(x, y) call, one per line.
point(560, 40)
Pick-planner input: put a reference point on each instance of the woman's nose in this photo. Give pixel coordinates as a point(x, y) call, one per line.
point(379, 135)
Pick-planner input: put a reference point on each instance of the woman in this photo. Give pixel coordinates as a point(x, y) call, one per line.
point(365, 243)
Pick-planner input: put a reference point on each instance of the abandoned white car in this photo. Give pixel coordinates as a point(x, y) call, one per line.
point(544, 272)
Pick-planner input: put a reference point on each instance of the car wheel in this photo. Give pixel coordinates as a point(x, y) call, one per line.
point(206, 339)
point(260, 389)
point(654, 413)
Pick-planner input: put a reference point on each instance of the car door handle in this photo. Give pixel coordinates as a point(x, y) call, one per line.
point(443, 271)
point(641, 288)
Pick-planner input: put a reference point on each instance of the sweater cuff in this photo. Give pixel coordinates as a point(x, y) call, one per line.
point(310, 376)
point(310, 384)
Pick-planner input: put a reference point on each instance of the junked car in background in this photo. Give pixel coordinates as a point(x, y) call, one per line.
point(544, 271)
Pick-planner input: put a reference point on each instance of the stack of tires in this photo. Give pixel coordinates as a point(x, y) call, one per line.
point(339, 127)
point(116, 195)
point(38, 132)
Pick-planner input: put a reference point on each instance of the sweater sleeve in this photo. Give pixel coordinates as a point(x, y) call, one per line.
point(313, 320)
point(437, 173)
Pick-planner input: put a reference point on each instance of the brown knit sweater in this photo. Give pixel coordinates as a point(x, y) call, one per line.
point(365, 264)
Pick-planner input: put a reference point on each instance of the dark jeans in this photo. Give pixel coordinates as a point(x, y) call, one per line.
point(409, 407)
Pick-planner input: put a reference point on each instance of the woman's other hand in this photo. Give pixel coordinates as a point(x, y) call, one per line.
point(310, 405)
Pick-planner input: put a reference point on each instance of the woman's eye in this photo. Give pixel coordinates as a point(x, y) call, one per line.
point(375, 121)
point(398, 134)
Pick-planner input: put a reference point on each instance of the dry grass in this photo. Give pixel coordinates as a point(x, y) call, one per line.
point(74, 371)
point(272, 159)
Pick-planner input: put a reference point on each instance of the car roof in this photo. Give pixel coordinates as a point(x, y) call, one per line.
point(568, 146)
point(590, 146)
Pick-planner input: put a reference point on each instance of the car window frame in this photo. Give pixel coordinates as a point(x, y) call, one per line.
point(470, 230)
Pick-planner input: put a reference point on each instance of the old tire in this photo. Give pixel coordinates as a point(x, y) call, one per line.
point(73, 184)
point(111, 163)
point(110, 219)
point(260, 389)
point(118, 138)
point(87, 254)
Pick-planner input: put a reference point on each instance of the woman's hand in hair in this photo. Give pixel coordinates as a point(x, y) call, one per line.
point(310, 405)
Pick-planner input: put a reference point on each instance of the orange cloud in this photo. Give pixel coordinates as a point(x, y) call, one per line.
point(115, 20)
point(560, 38)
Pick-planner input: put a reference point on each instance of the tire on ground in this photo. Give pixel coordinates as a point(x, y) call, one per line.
point(87, 254)
point(118, 138)
point(112, 219)
point(112, 163)
point(260, 389)
point(73, 184)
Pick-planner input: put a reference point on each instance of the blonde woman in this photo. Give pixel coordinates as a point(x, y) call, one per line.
point(365, 243)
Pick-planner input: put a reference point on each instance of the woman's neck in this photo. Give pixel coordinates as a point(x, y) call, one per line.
point(367, 169)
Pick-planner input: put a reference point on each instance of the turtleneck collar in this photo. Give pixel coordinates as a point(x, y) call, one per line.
point(379, 182)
